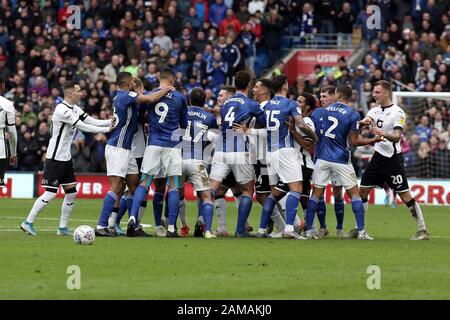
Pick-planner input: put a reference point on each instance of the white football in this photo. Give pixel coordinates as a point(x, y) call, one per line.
point(84, 235)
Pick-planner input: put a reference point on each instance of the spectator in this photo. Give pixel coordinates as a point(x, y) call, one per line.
point(256, 5)
point(27, 148)
point(230, 23)
point(217, 13)
point(232, 57)
point(423, 130)
point(308, 22)
point(217, 69)
point(344, 25)
point(273, 30)
point(97, 153)
point(163, 41)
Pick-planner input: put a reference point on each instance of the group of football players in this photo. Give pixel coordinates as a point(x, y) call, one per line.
point(273, 144)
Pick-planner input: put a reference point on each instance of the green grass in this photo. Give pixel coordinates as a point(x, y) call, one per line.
point(155, 268)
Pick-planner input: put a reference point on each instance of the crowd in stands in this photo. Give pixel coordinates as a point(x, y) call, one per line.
point(206, 42)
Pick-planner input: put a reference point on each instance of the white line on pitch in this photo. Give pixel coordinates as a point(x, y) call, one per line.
point(52, 219)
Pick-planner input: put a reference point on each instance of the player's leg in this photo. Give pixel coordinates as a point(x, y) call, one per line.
point(144, 203)
point(339, 206)
point(207, 211)
point(416, 213)
point(218, 176)
point(132, 181)
point(68, 204)
point(221, 212)
point(172, 161)
point(158, 201)
point(122, 208)
point(182, 212)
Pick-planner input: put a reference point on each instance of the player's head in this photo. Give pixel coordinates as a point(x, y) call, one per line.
point(262, 91)
point(307, 103)
point(343, 93)
point(197, 97)
point(242, 80)
point(280, 84)
point(72, 92)
point(167, 77)
point(138, 86)
point(327, 96)
point(125, 81)
point(382, 92)
point(225, 93)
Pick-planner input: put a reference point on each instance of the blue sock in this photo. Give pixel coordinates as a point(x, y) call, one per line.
point(207, 211)
point(245, 206)
point(339, 211)
point(321, 213)
point(130, 202)
point(122, 208)
point(267, 210)
point(173, 205)
point(108, 206)
point(291, 206)
point(140, 195)
point(166, 207)
point(358, 210)
point(313, 202)
point(158, 199)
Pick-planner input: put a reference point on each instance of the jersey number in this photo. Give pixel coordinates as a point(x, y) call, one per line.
point(397, 179)
point(201, 126)
point(272, 122)
point(161, 110)
point(229, 117)
point(330, 129)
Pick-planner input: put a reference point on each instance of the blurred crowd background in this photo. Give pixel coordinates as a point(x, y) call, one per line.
point(206, 42)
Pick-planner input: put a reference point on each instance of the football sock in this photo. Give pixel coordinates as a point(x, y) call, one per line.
point(67, 207)
point(207, 211)
point(221, 211)
point(311, 211)
point(182, 212)
point(321, 213)
point(237, 200)
point(173, 204)
point(416, 212)
point(339, 211)
point(130, 198)
point(141, 211)
point(358, 210)
point(122, 209)
point(158, 199)
point(245, 206)
point(113, 218)
point(267, 210)
point(140, 195)
point(40, 204)
point(108, 206)
point(291, 206)
point(277, 218)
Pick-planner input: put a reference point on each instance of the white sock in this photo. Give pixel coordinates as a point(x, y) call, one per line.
point(112, 219)
point(366, 207)
point(201, 219)
point(278, 219)
point(40, 204)
point(182, 212)
point(261, 230)
point(417, 214)
point(140, 214)
point(171, 228)
point(221, 211)
point(66, 209)
point(289, 228)
point(237, 200)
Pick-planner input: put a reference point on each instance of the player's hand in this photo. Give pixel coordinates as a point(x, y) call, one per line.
point(377, 131)
point(379, 139)
point(13, 161)
point(365, 122)
point(240, 128)
point(113, 122)
point(291, 125)
point(111, 127)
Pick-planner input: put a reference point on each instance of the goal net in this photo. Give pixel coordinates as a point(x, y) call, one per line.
point(426, 141)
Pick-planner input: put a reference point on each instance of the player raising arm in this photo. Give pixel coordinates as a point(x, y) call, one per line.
point(387, 164)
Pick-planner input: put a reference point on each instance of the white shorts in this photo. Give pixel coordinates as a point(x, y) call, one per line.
point(343, 174)
point(284, 164)
point(120, 162)
point(237, 162)
point(194, 171)
point(162, 162)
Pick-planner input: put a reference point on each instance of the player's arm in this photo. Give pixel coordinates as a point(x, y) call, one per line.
point(92, 121)
point(393, 137)
point(243, 129)
point(367, 121)
point(261, 121)
point(66, 116)
point(11, 128)
point(356, 140)
point(307, 130)
point(155, 96)
point(306, 143)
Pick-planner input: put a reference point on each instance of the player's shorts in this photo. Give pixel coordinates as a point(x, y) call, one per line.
point(237, 162)
point(162, 162)
point(120, 162)
point(284, 165)
point(306, 183)
point(262, 184)
point(229, 181)
point(194, 171)
point(382, 169)
point(58, 173)
point(139, 163)
point(344, 174)
point(3, 165)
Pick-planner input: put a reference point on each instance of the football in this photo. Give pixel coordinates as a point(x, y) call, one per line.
point(84, 235)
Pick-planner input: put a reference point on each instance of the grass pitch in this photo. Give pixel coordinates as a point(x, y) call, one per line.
point(225, 268)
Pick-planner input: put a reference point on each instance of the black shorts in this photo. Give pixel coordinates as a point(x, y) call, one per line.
point(229, 181)
point(306, 183)
point(58, 173)
point(383, 170)
point(3, 165)
point(262, 179)
point(139, 163)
